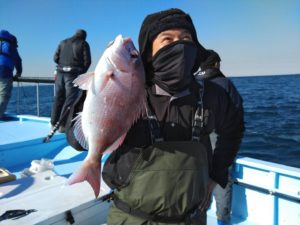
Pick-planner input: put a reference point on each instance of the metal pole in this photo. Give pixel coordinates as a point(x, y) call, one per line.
point(37, 99)
point(18, 98)
point(37, 80)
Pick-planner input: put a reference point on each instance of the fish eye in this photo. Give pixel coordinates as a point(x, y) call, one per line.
point(134, 53)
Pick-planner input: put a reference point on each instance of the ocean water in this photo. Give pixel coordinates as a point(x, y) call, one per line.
point(272, 115)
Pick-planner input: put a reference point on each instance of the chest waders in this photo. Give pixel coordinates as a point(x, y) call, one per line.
point(167, 181)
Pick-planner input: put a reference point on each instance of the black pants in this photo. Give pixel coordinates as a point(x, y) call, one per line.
point(65, 95)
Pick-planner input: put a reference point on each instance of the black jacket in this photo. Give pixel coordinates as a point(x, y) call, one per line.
point(216, 76)
point(73, 52)
point(226, 106)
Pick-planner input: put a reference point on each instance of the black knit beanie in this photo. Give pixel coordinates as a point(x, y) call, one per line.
point(211, 59)
point(158, 22)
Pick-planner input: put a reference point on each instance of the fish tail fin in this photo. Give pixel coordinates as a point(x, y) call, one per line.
point(91, 172)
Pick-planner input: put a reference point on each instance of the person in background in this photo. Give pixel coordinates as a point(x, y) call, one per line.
point(165, 172)
point(9, 60)
point(73, 58)
point(210, 71)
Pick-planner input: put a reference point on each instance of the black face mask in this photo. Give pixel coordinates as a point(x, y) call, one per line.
point(173, 64)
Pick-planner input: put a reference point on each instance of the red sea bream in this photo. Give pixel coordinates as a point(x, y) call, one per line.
point(115, 99)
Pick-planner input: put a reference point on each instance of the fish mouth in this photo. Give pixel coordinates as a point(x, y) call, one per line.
point(130, 48)
point(127, 40)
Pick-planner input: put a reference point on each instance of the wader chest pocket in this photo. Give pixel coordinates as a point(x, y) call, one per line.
point(118, 166)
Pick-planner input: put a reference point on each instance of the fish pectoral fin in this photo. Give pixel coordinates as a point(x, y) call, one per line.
point(108, 75)
point(84, 81)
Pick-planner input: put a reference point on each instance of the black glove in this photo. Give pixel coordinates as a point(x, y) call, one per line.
point(16, 76)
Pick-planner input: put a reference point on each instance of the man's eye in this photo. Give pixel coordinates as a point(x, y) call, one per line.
point(187, 38)
point(166, 40)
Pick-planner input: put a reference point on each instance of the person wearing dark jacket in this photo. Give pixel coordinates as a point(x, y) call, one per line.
point(164, 172)
point(73, 58)
point(210, 71)
point(9, 60)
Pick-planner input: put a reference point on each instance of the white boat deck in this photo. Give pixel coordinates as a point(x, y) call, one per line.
point(23, 129)
point(47, 193)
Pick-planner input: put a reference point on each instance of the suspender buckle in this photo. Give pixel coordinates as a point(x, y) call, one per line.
point(158, 139)
point(195, 138)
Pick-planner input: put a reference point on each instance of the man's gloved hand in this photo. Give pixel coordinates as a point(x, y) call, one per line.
point(17, 75)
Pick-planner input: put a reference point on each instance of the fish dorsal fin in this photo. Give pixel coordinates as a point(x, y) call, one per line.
point(84, 81)
point(116, 144)
point(108, 75)
point(78, 133)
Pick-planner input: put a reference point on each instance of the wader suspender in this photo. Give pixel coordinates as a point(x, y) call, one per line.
point(199, 122)
point(154, 126)
point(201, 116)
point(200, 119)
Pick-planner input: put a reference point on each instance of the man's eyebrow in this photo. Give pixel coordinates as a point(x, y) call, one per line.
point(164, 33)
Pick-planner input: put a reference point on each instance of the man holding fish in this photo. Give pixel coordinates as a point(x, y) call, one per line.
point(156, 122)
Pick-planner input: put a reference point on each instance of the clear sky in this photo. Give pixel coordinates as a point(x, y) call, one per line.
point(254, 37)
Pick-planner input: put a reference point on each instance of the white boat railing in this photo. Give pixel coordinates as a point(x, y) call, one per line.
point(275, 173)
point(33, 80)
point(266, 192)
point(273, 192)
